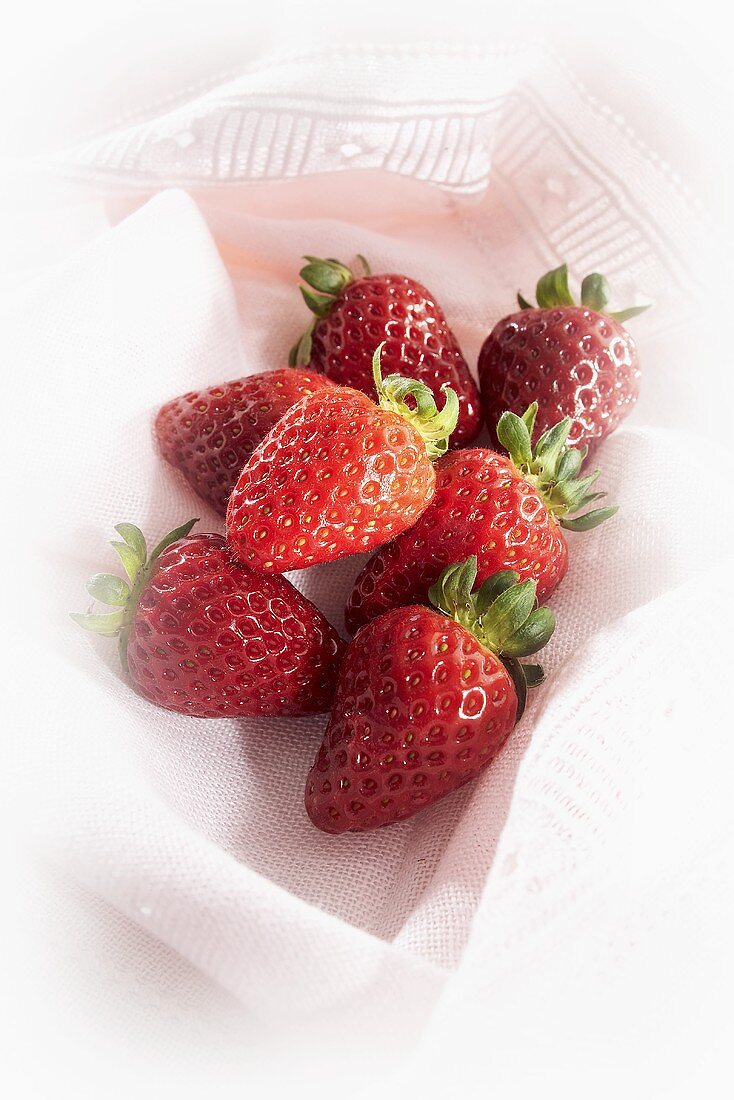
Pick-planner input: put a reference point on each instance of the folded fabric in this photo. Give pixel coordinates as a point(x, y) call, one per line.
point(578, 886)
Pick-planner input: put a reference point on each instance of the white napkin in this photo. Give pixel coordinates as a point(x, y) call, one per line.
point(576, 895)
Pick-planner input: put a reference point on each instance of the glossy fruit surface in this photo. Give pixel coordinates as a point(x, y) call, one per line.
point(420, 709)
point(366, 311)
point(482, 506)
point(209, 434)
point(425, 700)
point(339, 474)
point(203, 635)
point(573, 361)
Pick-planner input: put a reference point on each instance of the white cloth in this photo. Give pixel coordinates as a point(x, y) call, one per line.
point(572, 908)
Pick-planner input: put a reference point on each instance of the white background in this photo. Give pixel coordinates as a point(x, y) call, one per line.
point(65, 71)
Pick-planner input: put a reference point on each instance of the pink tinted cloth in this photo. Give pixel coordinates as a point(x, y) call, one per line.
point(578, 887)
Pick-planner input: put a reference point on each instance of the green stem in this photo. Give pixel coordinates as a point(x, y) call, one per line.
point(553, 291)
point(502, 615)
point(434, 426)
point(139, 568)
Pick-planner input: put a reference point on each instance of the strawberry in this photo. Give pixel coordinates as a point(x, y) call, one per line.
point(210, 434)
point(508, 511)
point(426, 699)
point(575, 361)
point(338, 474)
point(353, 315)
point(203, 635)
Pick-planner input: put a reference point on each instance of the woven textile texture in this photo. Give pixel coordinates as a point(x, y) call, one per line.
point(580, 885)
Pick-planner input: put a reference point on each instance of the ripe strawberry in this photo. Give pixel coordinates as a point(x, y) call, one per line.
point(575, 361)
point(339, 475)
point(426, 700)
point(210, 434)
point(203, 635)
point(354, 315)
point(509, 512)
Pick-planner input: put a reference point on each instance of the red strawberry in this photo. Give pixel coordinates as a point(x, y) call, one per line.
point(210, 434)
point(425, 701)
point(203, 635)
point(339, 475)
point(575, 361)
point(509, 512)
point(354, 315)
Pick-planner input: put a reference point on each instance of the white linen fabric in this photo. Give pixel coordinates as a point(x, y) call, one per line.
point(571, 908)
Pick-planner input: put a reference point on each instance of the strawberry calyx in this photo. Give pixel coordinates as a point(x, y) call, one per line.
point(552, 290)
point(325, 280)
point(123, 595)
point(552, 468)
point(434, 426)
point(503, 615)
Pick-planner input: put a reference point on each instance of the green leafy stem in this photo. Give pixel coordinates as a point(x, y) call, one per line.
point(552, 290)
point(434, 426)
point(503, 616)
point(325, 280)
point(553, 468)
point(123, 595)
